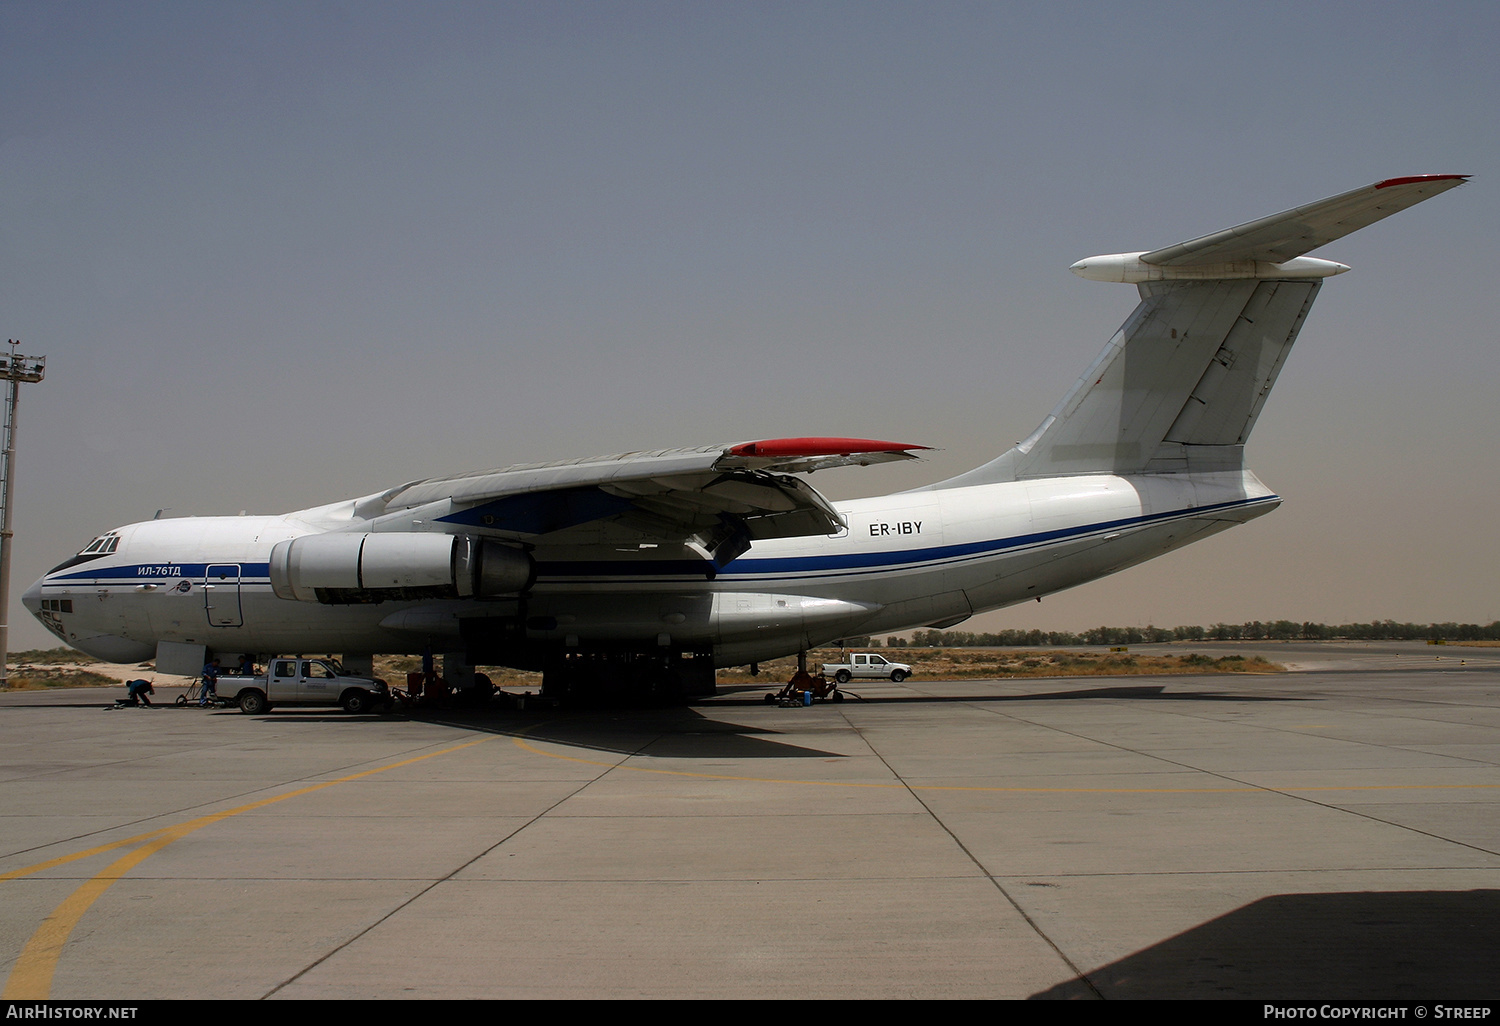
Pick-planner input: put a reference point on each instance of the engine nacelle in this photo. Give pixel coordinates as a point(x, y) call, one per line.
point(340, 569)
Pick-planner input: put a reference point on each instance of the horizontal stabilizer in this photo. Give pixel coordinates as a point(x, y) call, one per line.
point(1291, 233)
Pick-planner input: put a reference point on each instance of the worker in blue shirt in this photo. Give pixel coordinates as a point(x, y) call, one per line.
point(136, 692)
point(210, 682)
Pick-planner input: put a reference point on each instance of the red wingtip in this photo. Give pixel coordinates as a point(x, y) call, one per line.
point(1409, 179)
point(817, 447)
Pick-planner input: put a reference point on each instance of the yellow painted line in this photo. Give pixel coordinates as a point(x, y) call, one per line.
point(998, 790)
point(16, 874)
point(31, 977)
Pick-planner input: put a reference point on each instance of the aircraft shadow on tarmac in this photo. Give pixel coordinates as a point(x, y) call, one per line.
point(693, 732)
point(667, 732)
point(1122, 691)
point(1372, 945)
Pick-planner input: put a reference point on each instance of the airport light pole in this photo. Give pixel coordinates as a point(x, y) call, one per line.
point(15, 369)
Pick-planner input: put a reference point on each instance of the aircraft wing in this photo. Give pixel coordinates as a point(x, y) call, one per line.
point(1291, 233)
point(714, 499)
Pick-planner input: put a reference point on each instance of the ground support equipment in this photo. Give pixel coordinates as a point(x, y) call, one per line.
point(805, 689)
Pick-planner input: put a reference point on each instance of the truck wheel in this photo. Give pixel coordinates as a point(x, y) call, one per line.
point(897, 676)
point(253, 702)
point(842, 676)
point(356, 701)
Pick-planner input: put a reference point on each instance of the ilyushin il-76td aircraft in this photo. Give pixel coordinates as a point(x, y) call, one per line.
point(641, 573)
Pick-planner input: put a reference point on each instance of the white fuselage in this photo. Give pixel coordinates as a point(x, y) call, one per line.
point(644, 569)
point(911, 559)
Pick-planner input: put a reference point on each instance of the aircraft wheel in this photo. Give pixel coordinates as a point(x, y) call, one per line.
point(484, 688)
point(897, 676)
point(254, 703)
point(842, 676)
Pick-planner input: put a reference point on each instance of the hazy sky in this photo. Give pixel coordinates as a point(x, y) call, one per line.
point(281, 254)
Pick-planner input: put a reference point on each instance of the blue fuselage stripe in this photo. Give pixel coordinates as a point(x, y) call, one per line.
point(158, 572)
point(858, 563)
point(853, 563)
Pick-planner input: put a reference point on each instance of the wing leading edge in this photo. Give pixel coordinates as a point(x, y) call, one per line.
point(714, 500)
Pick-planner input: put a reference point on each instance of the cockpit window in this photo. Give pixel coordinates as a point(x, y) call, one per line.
point(96, 549)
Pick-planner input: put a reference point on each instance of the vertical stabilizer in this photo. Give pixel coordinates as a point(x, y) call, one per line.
point(1180, 386)
point(1177, 388)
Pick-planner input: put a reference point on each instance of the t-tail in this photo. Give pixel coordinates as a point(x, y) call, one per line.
point(1179, 386)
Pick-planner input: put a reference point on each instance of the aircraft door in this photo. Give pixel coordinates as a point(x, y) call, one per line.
point(221, 595)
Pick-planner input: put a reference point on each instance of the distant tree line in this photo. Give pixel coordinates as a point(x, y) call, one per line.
point(1254, 630)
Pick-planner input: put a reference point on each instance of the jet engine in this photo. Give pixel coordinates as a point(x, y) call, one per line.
point(344, 569)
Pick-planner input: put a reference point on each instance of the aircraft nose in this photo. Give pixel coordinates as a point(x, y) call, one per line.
point(32, 599)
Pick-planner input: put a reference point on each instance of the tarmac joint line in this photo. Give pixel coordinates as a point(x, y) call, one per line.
point(1289, 790)
point(31, 977)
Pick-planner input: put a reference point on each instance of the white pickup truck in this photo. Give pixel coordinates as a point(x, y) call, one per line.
point(866, 666)
point(296, 681)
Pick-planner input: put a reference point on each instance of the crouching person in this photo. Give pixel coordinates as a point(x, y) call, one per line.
point(136, 692)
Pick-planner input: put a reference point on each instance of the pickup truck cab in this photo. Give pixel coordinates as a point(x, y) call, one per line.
point(867, 666)
point(297, 681)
